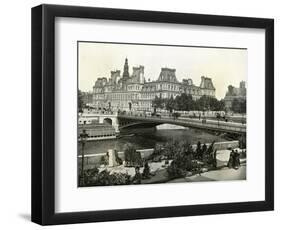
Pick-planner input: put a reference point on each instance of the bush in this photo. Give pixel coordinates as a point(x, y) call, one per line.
point(119, 179)
point(90, 176)
point(104, 160)
point(171, 149)
point(174, 171)
point(93, 177)
point(132, 157)
point(182, 161)
point(157, 153)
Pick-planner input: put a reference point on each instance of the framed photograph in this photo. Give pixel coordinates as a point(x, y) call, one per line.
point(142, 114)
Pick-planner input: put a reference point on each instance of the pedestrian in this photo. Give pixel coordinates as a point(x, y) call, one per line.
point(215, 159)
point(137, 177)
point(204, 148)
point(146, 171)
point(231, 160)
point(199, 168)
point(198, 150)
point(236, 159)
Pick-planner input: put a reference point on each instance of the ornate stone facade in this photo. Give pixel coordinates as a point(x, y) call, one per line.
point(133, 92)
point(235, 93)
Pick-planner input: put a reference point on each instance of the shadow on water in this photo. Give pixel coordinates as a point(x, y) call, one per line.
point(144, 138)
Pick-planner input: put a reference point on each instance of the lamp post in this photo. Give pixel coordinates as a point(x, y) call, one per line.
point(83, 138)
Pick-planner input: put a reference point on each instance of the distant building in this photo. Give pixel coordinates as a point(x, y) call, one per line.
point(235, 93)
point(133, 92)
point(87, 97)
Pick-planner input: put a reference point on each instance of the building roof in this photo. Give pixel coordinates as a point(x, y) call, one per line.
point(206, 83)
point(168, 74)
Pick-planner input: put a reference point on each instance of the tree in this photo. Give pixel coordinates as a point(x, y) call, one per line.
point(208, 154)
point(158, 102)
point(235, 105)
point(243, 106)
point(132, 157)
point(157, 153)
point(220, 106)
point(182, 161)
point(238, 105)
point(171, 149)
point(209, 103)
point(186, 147)
point(184, 102)
point(176, 115)
point(170, 104)
point(198, 150)
point(203, 103)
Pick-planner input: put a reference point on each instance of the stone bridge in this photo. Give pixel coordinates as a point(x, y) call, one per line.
point(126, 121)
point(110, 119)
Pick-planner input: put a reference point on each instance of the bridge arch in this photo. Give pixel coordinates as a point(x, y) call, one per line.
point(225, 127)
point(107, 121)
point(128, 125)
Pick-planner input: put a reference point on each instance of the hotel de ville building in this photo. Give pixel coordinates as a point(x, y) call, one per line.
point(134, 92)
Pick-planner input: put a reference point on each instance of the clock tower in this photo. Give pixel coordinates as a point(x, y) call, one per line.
point(126, 70)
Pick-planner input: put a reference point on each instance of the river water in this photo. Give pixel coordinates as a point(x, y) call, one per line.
point(146, 138)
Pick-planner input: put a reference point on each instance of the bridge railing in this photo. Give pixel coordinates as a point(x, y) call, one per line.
point(208, 124)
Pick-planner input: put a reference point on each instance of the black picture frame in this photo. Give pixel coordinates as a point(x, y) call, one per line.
point(43, 114)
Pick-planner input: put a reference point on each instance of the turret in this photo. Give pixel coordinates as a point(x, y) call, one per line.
point(126, 74)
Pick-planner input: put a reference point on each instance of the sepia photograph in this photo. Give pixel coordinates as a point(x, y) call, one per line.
point(143, 114)
point(159, 113)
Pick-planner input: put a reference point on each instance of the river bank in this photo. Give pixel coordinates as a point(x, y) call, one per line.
point(94, 160)
point(147, 138)
point(159, 173)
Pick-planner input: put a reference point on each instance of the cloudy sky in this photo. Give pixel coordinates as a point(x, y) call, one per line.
point(224, 66)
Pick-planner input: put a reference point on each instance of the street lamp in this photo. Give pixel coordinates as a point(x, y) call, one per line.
point(83, 139)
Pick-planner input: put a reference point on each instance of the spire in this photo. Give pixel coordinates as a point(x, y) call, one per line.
point(126, 70)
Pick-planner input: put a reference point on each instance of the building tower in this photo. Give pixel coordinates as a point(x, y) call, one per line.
point(126, 70)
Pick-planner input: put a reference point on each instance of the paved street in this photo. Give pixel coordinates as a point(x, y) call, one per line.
point(224, 174)
point(219, 175)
